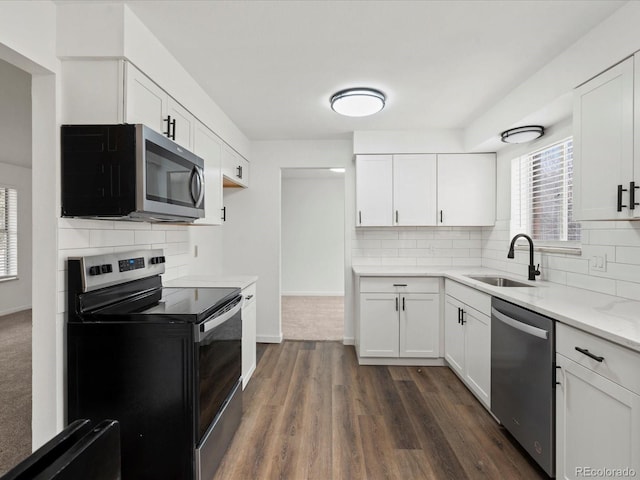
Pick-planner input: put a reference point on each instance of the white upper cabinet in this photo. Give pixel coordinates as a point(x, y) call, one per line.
point(183, 124)
point(603, 145)
point(414, 189)
point(466, 189)
point(425, 189)
point(374, 190)
point(208, 146)
point(145, 102)
point(235, 169)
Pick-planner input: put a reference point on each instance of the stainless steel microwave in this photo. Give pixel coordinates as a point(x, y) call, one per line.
point(129, 172)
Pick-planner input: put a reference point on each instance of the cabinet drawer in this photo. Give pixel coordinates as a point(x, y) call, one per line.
point(249, 294)
point(619, 364)
point(400, 284)
point(472, 297)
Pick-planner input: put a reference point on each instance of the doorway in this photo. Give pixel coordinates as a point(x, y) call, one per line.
point(312, 253)
point(15, 266)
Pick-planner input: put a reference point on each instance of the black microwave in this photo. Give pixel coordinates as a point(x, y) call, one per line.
point(129, 172)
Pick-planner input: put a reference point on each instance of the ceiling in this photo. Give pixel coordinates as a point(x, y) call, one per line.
point(272, 65)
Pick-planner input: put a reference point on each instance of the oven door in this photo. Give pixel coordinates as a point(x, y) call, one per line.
point(218, 363)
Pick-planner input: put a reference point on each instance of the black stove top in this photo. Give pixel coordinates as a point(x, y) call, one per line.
point(170, 304)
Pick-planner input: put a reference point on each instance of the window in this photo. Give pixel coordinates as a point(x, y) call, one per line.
point(542, 196)
point(8, 232)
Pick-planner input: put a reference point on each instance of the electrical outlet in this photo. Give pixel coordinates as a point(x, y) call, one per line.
point(598, 263)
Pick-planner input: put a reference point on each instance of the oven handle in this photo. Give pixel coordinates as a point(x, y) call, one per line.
point(523, 327)
point(214, 322)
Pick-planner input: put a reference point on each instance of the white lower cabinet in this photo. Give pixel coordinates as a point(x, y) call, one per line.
point(597, 407)
point(399, 318)
point(248, 333)
point(467, 338)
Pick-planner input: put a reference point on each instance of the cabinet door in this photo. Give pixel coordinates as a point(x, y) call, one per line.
point(453, 335)
point(235, 169)
point(379, 325)
point(248, 337)
point(467, 189)
point(477, 368)
point(208, 146)
point(414, 189)
point(145, 102)
point(597, 423)
point(184, 128)
point(419, 325)
point(603, 143)
point(374, 190)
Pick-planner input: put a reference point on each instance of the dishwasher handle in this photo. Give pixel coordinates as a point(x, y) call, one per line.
point(523, 327)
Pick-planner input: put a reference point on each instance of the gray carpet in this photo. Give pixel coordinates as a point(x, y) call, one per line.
point(312, 318)
point(15, 389)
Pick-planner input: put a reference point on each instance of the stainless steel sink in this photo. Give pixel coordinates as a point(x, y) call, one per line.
point(499, 281)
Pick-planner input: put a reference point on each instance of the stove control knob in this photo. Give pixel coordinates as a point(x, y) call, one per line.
point(106, 268)
point(95, 270)
point(157, 260)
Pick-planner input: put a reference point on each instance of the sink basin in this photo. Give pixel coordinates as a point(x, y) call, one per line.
point(499, 281)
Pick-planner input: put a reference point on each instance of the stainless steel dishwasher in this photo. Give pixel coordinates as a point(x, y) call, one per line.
point(523, 378)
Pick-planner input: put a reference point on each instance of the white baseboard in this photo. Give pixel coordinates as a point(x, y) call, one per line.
point(409, 362)
point(9, 311)
point(269, 338)
point(312, 294)
point(348, 341)
point(247, 377)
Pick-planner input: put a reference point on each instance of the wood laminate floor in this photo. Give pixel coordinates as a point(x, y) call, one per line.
point(311, 412)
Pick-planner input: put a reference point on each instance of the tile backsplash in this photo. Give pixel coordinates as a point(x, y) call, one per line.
point(419, 246)
point(78, 237)
point(616, 243)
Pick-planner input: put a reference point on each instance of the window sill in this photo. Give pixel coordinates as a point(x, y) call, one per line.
point(575, 250)
point(8, 279)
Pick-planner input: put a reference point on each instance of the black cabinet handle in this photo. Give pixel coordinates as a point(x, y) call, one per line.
point(459, 314)
point(589, 354)
point(360, 217)
point(632, 195)
point(396, 216)
point(399, 284)
point(224, 214)
point(462, 320)
point(620, 190)
point(396, 304)
point(173, 124)
point(440, 216)
point(168, 132)
point(403, 304)
point(239, 175)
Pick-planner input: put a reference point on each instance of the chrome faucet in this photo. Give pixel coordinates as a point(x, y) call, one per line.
point(533, 270)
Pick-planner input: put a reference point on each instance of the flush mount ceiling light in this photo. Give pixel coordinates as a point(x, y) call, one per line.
point(522, 134)
point(358, 102)
point(337, 170)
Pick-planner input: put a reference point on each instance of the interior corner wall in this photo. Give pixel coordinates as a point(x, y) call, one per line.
point(313, 235)
point(251, 240)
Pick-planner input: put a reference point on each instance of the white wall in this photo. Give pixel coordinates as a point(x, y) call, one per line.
point(313, 235)
point(15, 295)
point(251, 240)
point(15, 171)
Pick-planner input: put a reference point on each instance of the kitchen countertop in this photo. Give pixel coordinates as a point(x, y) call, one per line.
point(237, 281)
point(614, 318)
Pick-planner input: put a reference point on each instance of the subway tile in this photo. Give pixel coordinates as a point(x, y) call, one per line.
point(361, 243)
point(398, 261)
point(628, 290)
point(416, 235)
point(435, 243)
point(364, 261)
point(381, 234)
point(467, 262)
point(589, 282)
point(397, 244)
point(173, 236)
point(620, 271)
point(627, 255)
point(106, 238)
point(433, 261)
point(73, 238)
point(132, 225)
point(84, 224)
point(567, 264)
point(452, 234)
point(415, 252)
point(149, 236)
point(554, 276)
point(615, 237)
point(466, 243)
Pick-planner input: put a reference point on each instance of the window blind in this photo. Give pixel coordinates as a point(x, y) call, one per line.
point(8, 232)
point(542, 194)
